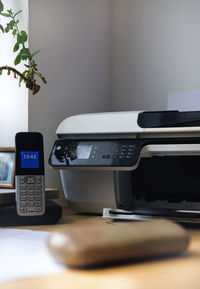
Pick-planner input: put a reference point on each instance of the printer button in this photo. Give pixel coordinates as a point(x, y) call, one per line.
point(130, 150)
point(123, 149)
point(58, 148)
point(106, 156)
point(129, 157)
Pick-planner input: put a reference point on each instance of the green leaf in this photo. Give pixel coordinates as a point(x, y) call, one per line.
point(16, 47)
point(36, 52)
point(0, 72)
point(14, 32)
point(25, 53)
point(26, 73)
point(17, 13)
point(5, 14)
point(10, 26)
point(10, 11)
point(41, 76)
point(22, 37)
point(1, 6)
point(17, 59)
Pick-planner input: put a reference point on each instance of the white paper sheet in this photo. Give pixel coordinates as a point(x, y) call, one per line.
point(23, 253)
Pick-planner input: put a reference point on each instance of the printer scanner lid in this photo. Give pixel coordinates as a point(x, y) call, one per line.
point(130, 122)
point(100, 123)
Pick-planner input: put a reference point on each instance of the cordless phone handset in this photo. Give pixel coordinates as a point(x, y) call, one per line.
point(29, 176)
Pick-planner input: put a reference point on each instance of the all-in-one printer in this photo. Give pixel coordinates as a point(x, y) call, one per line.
point(136, 165)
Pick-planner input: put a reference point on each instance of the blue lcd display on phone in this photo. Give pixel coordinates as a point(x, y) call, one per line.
point(29, 160)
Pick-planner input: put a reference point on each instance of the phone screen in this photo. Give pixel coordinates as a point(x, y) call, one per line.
point(29, 159)
point(29, 153)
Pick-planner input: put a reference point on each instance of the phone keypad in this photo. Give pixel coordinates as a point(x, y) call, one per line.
point(30, 195)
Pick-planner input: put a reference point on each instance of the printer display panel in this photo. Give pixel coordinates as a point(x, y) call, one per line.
point(104, 153)
point(83, 151)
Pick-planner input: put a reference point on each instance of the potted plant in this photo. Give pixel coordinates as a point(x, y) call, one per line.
point(31, 73)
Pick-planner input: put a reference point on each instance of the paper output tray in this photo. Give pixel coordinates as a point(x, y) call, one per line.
point(181, 216)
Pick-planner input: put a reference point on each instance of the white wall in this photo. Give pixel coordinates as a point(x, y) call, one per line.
point(75, 38)
point(156, 51)
point(14, 100)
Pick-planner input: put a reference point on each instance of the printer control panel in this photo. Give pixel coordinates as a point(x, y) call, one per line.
point(114, 153)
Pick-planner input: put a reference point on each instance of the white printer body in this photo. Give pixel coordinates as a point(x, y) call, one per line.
point(143, 163)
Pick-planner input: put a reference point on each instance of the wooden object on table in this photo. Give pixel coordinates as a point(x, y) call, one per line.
point(121, 241)
point(181, 272)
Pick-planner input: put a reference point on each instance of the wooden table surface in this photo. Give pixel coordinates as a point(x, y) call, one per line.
point(171, 273)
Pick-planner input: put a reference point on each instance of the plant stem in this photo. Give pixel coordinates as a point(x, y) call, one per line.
point(31, 84)
point(9, 68)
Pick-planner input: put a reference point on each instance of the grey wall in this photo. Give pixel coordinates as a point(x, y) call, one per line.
point(75, 38)
point(99, 55)
point(156, 51)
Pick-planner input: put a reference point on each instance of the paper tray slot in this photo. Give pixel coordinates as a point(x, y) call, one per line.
point(170, 149)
